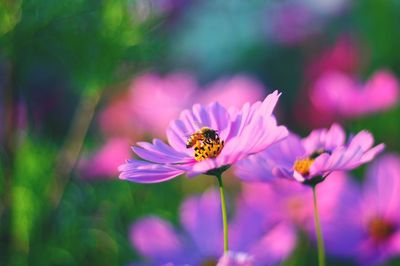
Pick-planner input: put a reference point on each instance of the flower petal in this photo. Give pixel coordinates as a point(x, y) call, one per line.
point(144, 172)
point(156, 239)
point(324, 139)
point(382, 187)
point(159, 152)
point(201, 217)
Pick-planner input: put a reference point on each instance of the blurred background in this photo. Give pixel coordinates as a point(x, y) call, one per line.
point(81, 81)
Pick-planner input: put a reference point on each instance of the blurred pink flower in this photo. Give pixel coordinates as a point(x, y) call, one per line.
point(153, 101)
point(117, 119)
point(200, 241)
point(156, 100)
point(312, 159)
point(106, 160)
point(234, 91)
point(344, 56)
point(240, 133)
point(339, 94)
point(367, 225)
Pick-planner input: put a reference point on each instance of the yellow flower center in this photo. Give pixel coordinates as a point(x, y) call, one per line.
point(302, 166)
point(380, 229)
point(209, 149)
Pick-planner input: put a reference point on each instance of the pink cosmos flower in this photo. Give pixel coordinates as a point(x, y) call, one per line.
point(341, 95)
point(235, 135)
point(367, 226)
point(199, 243)
point(312, 159)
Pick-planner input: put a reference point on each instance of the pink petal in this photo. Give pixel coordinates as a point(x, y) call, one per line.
point(144, 172)
point(156, 239)
point(201, 217)
point(323, 139)
point(383, 186)
point(159, 152)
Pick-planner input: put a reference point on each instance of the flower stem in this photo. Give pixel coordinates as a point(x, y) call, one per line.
point(223, 208)
point(320, 239)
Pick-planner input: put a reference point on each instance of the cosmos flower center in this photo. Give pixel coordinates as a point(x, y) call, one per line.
point(302, 166)
point(381, 229)
point(206, 143)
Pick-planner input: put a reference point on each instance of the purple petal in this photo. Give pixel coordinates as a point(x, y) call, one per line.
point(323, 139)
point(272, 162)
point(382, 186)
point(201, 217)
point(144, 172)
point(156, 239)
point(269, 104)
point(159, 152)
point(220, 119)
point(177, 135)
point(363, 139)
point(279, 242)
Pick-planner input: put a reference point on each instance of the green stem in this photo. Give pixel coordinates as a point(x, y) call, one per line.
point(223, 208)
point(320, 239)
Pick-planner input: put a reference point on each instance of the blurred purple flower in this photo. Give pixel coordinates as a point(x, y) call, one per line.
point(342, 96)
point(252, 243)
point(241, 133)
point(280, 201)
point(311, 159)
point(290, 23)
point(367, 224)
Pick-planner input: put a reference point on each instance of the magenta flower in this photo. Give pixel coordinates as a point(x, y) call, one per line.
point(367, 226)
point(342, 96)
point(343, 56)
point(105, 162)
point(312, 159)
point(252, 243)
point(235, 135)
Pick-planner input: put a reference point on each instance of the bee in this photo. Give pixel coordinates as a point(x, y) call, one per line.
point(204, 134)
point(206, 142)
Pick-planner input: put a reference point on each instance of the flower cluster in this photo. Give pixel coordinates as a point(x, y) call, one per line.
point(272, 207)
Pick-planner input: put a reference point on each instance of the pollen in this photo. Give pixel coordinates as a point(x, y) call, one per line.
point(204, 150)
point(303, 166)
